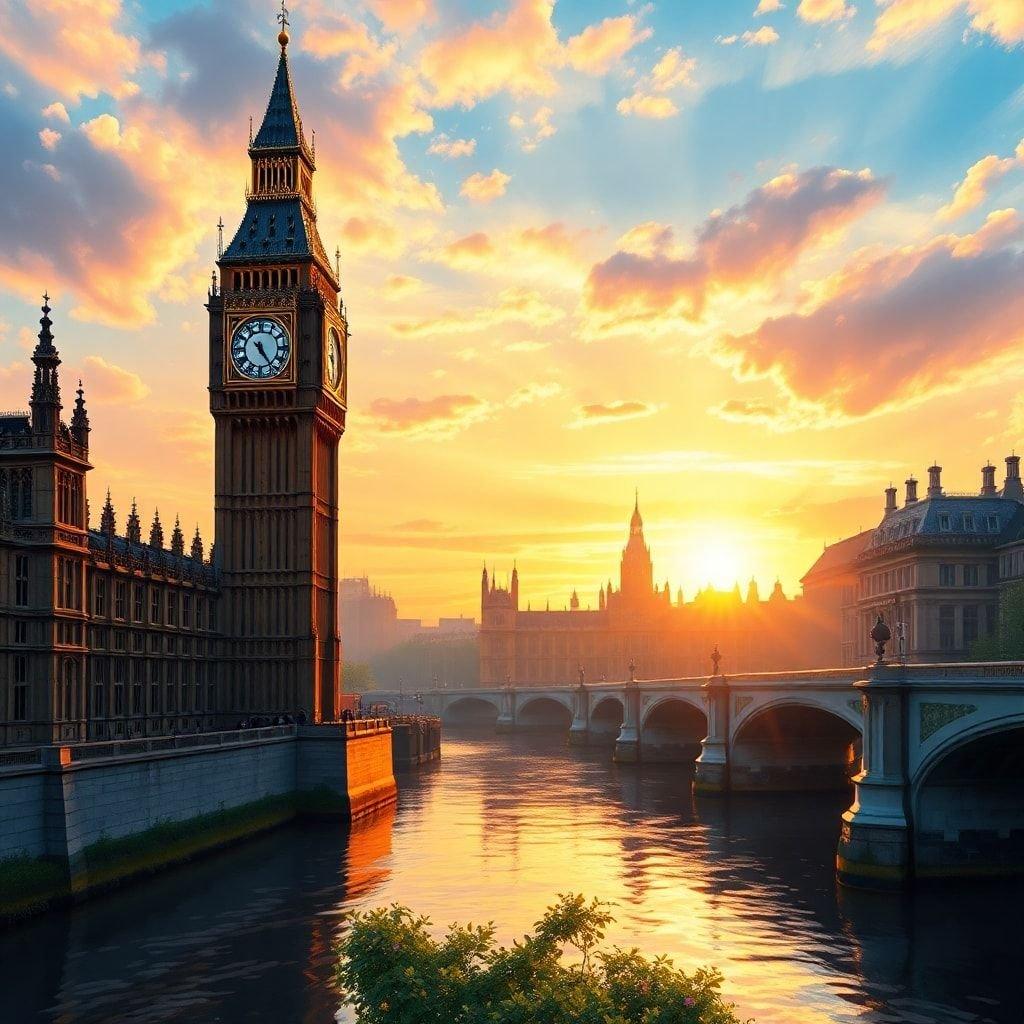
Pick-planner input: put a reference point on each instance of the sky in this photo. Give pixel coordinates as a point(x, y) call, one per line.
point(753, 259)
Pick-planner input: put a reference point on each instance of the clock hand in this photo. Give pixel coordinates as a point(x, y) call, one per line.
point(262, 351)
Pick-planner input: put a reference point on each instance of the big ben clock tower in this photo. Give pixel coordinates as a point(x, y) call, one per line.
point(278, 342)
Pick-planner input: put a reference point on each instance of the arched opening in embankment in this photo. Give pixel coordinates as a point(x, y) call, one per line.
point(605, 721)
point(470, 712)
point(544, 713)
point(969, 808)
point(672, 732)
point(794, 747)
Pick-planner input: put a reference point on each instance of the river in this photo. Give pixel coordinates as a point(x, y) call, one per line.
point(493, 832)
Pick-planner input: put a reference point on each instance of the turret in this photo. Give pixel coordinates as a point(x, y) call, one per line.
point(133, 528)
point(156, 532)
point(935, 481)
point(753, 594)
point(600, 599)
point(890, 500)
point(988, 479)
point(108, 520)
point(515, 586)
point(1012, 486)
point(45, 402)
point(177, 538)
point(197, 546)
point(80, 419)
point(911, 491)
point(484, 588)
point(778, 594)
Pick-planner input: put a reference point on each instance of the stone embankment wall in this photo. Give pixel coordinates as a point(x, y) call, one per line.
point(74, 819)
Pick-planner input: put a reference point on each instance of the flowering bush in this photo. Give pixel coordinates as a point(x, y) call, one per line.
point(393, 972)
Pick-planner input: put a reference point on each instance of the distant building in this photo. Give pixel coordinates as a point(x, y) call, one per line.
point(370, 624)
point(369, 620)
point(639, 624)
point(934, 568)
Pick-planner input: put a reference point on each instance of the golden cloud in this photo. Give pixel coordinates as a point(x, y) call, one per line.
point(599, 47)
point(515, 305)
point(610, 412)
point(482, 188)
point(901, 21)
point(816, 11)
point(973, 190)
point(442, 145)
point(438, 417)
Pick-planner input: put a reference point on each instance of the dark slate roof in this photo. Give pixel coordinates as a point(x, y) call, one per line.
point(840, 555)
point(16, 423)
point(282, 126)
point(958, 518)
point(272, 229)
point(166, 560)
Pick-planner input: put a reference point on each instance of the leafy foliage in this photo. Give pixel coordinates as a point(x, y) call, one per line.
point(394, 972)
point(1007, 642)
point(359, 677)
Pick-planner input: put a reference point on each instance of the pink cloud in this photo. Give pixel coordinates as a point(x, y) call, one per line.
point(617, 411)
point(599, 47)
point(747, 245)
point(973, 190)
point(893, 330)
point(441, 416)
point(482, 188)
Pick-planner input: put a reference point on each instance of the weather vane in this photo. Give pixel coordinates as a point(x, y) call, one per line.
point(283, 17)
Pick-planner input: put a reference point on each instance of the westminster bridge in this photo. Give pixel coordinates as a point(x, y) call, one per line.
point(935, 753)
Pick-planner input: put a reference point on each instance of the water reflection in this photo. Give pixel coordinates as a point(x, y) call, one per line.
point(494, 832)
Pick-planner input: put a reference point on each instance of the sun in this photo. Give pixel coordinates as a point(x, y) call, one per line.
point(717, 560)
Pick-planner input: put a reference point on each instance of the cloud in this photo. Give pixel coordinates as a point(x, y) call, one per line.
point(892, 331)
point(57, 111)
point(74, 49)
point(402, 15)
point(530, 393)
point(372, 235)
point(467, 253)
point(767, 7)
point(816, 11)
point(439, 417)
point(518, 51)
point(112, 384)
point(482, 188)
point(610, 412)
point(536, 129)
point(398, 286)
point(645, 105)
point(442, 145)
point(972, 191)
point(599, 47)
point(764, 36)
point(515, 305)
point(746, 246)
point(901, 21)
point(49, 138)
point(672, 71)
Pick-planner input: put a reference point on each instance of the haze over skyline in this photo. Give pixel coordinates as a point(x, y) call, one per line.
point(757, 259)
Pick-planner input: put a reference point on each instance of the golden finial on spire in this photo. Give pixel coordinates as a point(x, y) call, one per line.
point(282, 36)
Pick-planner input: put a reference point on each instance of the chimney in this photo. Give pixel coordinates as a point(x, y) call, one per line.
point(1012, 488)
point(890, 500)
point(988, 479)
point(911, 491)
point(935, 481)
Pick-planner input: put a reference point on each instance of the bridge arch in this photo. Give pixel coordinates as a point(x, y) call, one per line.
point(605, 719)
point(672, 729)
point(967, 805)
point(470, 710)
point(544, 711)
point(795, 743)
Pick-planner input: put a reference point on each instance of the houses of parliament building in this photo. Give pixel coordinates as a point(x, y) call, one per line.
point(121, 631)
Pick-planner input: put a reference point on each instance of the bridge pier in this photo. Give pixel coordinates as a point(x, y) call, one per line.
point(506, 722)
point(579, 731)
point(711, 771)
point(627, 745)
point(874, 849)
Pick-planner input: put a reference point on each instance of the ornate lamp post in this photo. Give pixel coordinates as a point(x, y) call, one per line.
point(711, 773)
point(881, 635)
point(578, 731)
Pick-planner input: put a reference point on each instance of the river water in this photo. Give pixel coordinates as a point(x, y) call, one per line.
point(493, 832)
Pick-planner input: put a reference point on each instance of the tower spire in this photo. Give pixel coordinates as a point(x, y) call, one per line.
point(108, 520)
point(133, 528)
point(282, 36)
point(45, 402)
point(80, 419)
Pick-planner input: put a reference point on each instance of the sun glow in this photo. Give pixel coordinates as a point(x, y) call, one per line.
point(717, 560)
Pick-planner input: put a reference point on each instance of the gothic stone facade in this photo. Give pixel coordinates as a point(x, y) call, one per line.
point(104, 635)
point(640, 625)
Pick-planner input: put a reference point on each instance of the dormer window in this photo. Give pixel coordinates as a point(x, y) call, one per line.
point(945, 522)
point(969, 522)
point(993, 524)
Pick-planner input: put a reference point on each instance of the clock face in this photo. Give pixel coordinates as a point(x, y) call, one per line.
point(260, 348)
point(335, 358)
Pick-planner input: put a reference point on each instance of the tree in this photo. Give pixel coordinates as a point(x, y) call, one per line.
point(1007, 642)
point(394, 972)
point(358, 677)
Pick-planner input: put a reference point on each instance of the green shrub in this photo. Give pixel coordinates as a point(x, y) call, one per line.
point(393, 972)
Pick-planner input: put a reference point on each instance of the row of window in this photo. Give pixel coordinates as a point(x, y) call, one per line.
point(102, 638)
point(950, 575)
point(970, 522)
point(166, 606)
